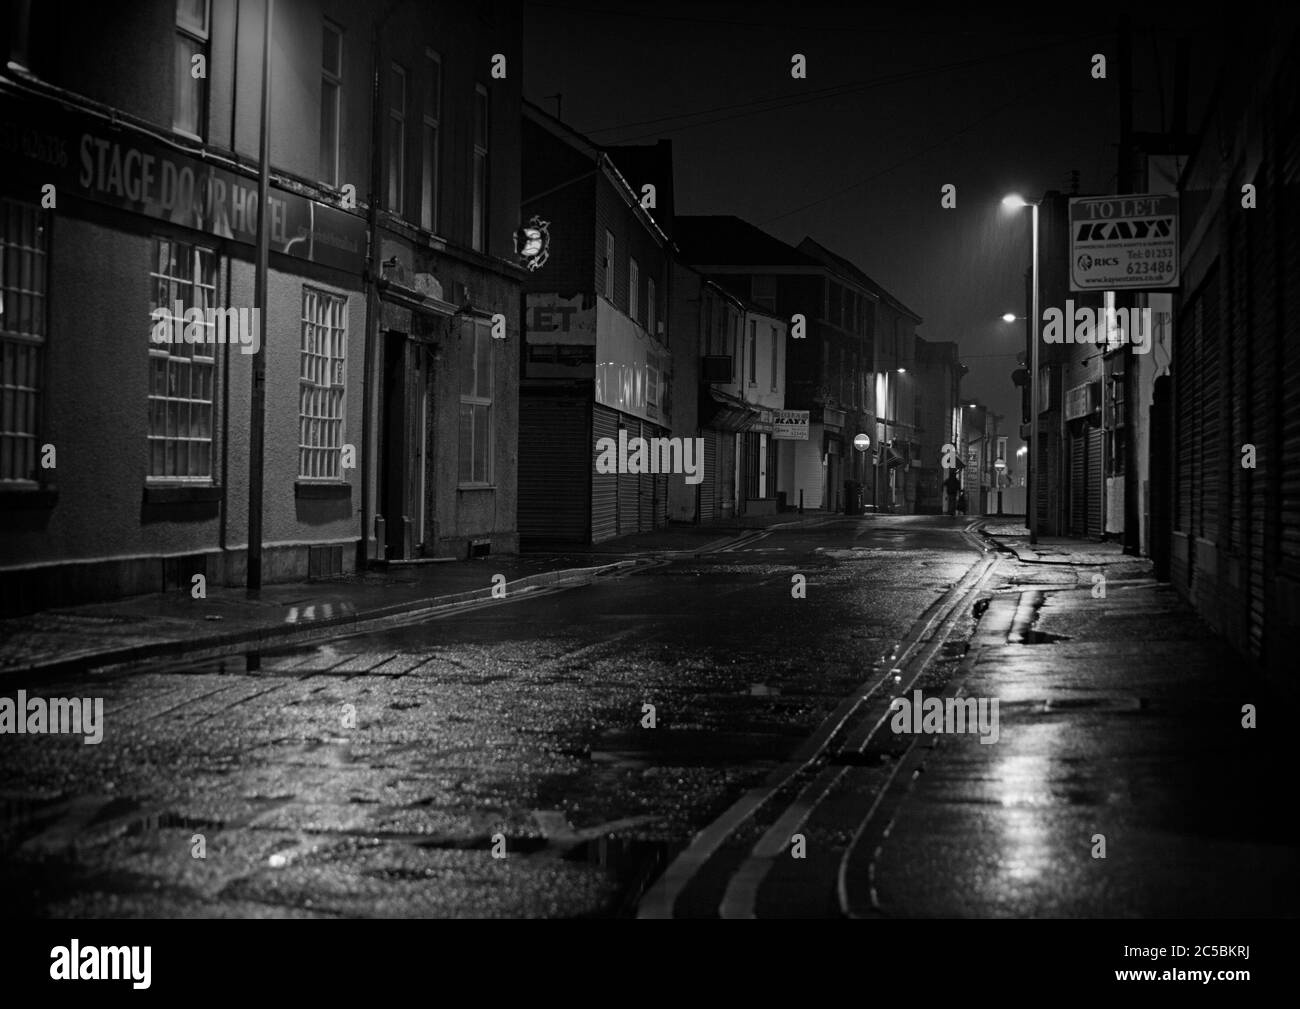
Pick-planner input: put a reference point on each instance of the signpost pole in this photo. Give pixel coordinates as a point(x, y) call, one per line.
point(1036, 453)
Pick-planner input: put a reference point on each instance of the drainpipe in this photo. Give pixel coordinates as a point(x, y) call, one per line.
point(372, 296)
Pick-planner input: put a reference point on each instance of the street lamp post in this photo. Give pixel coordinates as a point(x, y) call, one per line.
point(1031, 491)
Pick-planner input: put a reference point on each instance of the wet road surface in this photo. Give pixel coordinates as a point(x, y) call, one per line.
point(499, 761)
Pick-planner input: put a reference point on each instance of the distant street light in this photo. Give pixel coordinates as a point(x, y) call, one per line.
point(1014, 202)
point(1010, 317)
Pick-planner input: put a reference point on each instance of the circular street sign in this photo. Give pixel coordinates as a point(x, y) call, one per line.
point(861, 442)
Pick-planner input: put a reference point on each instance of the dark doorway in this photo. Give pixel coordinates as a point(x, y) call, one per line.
point(394, 451)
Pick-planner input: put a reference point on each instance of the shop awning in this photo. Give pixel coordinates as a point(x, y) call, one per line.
point(724, 412)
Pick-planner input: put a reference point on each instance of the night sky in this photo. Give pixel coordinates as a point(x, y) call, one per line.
point(895, 105)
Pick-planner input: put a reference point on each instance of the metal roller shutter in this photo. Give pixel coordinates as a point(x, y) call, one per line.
point(629, 485)
point(726, 474)
point(1210, 443)
point(554, 497)
point(1238, 363)
point(1095, 481)
point(1287, 592)
point(1077, 523)
point(1263, 359)
point(1186, 417)
point(604, 486)
point(709, 485)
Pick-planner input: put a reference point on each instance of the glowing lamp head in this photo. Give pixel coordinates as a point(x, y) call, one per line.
point(532, 242)
point(1008, 317)
point(1014, 202)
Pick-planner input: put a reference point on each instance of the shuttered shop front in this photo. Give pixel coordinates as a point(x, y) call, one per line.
point(554, 467)
point(708, 493)
point(604, 486)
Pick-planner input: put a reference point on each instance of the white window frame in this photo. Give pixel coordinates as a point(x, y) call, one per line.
point(477, 399)
point(322, 385)
point(200, 37)
point(332, 78)
point(22, 347)
point(633, 288)
point(651, 316)
point(168, 399)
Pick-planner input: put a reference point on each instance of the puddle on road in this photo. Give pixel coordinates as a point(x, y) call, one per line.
point(1043, 638)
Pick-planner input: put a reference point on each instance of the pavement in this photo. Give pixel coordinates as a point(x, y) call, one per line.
point(1123, 782)
point(59, 641)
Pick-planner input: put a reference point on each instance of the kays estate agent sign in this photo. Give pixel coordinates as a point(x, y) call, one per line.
point(1123, 242)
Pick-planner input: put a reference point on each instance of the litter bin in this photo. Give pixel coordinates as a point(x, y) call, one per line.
point(852, 497)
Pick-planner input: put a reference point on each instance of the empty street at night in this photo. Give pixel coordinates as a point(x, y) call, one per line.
point(555, 463)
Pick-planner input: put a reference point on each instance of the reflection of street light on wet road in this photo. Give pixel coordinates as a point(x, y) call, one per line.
point(1015, 202)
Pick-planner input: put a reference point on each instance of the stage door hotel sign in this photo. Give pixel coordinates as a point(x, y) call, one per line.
point(85, 157)
point(1123, 242)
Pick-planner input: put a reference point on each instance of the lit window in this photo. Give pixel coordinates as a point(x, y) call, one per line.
point(23, 237)
point(322, 382)
point(181, 375)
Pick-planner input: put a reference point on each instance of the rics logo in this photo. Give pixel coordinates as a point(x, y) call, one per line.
point(533, 243)
point(1085, 262)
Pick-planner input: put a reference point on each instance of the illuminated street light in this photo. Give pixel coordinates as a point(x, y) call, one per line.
point(1010, 317)
point(1015, 201)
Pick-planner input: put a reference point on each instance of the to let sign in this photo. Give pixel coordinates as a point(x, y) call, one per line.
point(790, 425)
point(1124, 242)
